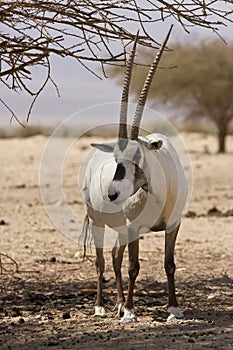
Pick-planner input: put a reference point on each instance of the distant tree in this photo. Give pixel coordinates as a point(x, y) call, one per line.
point(201, 82)
point(33, 30)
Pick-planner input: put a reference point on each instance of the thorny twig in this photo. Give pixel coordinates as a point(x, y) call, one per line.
point(3, 269)
point(34, 30)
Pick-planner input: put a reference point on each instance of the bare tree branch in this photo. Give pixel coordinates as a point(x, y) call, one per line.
point(33, 30)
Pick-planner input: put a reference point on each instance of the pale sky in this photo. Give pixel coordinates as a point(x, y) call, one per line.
point(80, 89)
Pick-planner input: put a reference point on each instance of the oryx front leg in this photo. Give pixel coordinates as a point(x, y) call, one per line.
point(117, 256)
point(170, 267)
point(98, 235)
point(133, 251)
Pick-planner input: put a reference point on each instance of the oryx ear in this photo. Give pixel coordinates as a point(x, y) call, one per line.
point(105, 147)
point(154, 144)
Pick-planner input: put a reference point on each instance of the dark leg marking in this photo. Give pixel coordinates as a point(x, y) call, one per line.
point(117, 256)
point(134, 267)
point(169, 265)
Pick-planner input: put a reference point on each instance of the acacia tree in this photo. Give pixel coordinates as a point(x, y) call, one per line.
point(33, 30)
point(202, 82)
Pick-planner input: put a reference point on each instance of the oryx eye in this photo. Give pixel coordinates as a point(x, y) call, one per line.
point(120, 172)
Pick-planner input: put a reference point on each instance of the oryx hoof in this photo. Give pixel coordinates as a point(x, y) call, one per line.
point(99, 311)
point(129, 316)
point(175, 314)
point(120, 310)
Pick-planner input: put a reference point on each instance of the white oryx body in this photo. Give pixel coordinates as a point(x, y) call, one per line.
point(165, 190)
point(134, 185)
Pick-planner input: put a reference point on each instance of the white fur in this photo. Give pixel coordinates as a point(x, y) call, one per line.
point(175, 313)
point(129, 316)
point(100, 311)
point(167, 184)
point(160, 207)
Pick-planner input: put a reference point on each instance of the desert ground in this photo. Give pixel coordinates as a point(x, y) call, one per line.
point(47, 291)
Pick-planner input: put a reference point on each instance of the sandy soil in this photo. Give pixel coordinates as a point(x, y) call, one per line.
point(47, 299)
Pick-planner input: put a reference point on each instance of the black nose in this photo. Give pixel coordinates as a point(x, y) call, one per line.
point(114, 196)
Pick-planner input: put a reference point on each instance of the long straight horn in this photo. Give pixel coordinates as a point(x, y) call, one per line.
point(125, 92)
point(145, 90)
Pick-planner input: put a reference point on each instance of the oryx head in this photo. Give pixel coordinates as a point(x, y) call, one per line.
point(129, 152)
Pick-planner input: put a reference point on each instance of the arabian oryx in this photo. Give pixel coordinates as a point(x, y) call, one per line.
point(134, 185)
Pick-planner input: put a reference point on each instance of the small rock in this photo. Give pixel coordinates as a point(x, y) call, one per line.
point(66, 315)
point(229, 212)
point(20, 186)
point(53, 259)
point(21, 320)
point(214, 212)
point(191, 340)
point(15, 312)
point(191, 214)
point(211, 297)
point(52, 343)
point(50, 317)
point(2, 222)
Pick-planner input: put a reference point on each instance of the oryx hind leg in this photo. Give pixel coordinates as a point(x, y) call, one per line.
point(170, 267)
point(98, 237)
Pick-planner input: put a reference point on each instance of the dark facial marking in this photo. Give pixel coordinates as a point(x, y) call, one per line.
point(137, 156)
point(120, 172)
point(123, 144)
point(139, 178)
